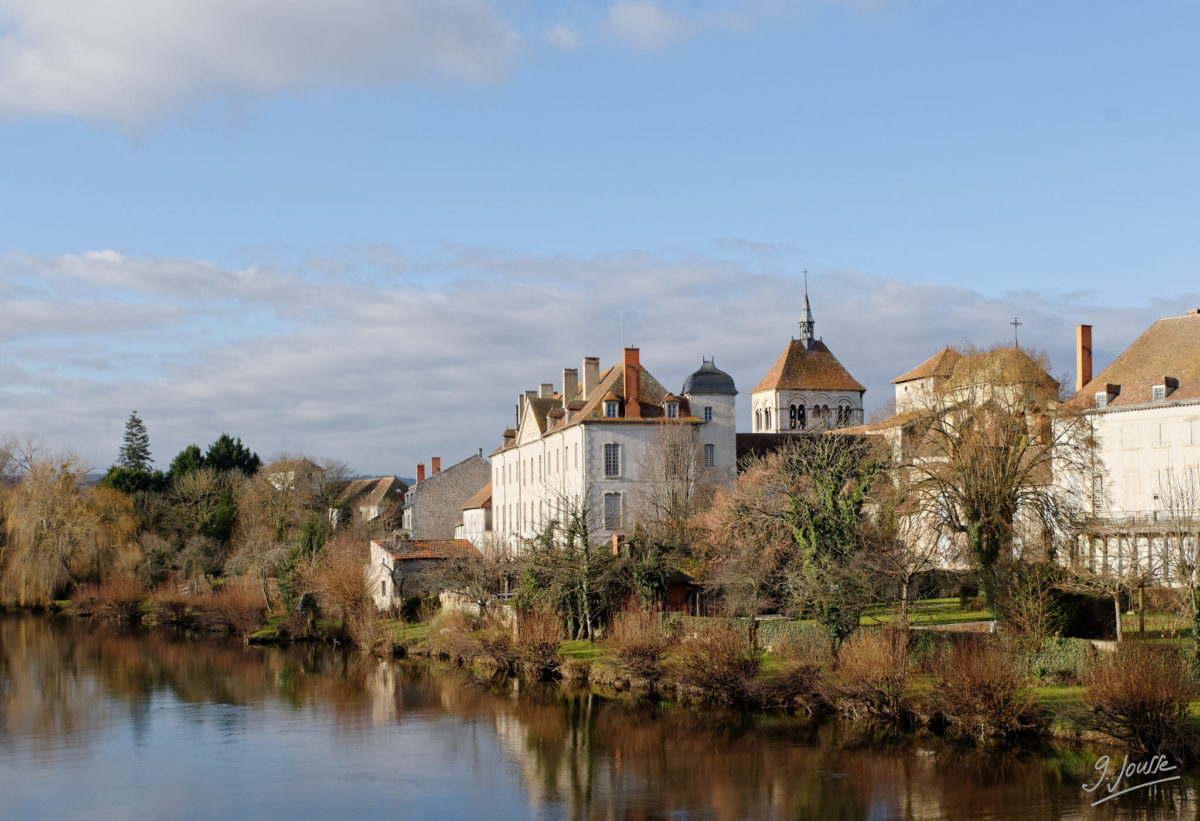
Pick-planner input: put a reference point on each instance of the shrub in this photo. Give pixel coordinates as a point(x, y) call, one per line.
point(720, 664)
point(167, 606)
point(638, 643)
point(419, 608)
point(539, 633)
point(869, 678)
point(1139, 697)
point(798, 687)
point(117, 599)
point(450, 637)
point(980, 695)
point(237, 607)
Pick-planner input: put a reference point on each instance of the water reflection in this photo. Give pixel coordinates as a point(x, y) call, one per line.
point(150, 724)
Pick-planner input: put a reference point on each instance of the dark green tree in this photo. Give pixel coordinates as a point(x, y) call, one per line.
point(135, 453)
point(227, 454)
point(189, 459)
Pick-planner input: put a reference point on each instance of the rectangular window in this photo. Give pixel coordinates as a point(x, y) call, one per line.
point(672, 410)
point(1158, 393)
point(707, 413)
point(383, 589)
point(612, 511)
point(710, 456)
point(612, 460)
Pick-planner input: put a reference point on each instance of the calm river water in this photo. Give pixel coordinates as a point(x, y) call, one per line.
point(100, 723)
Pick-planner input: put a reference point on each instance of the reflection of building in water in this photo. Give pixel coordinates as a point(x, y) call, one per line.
point(381, 686)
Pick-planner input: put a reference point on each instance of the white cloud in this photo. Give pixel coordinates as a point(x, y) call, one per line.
point(647, 27)
point(562, 37)
point(368, 356)
point(131, 61)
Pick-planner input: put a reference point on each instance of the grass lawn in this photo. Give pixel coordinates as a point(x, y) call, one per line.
point(925, 611)
point(407, 633)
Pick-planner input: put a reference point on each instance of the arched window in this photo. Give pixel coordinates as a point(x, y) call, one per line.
point(792, 417)
point(767, 418)
point(800, 420)
point(757, 419)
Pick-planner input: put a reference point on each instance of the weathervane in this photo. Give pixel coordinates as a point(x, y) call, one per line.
point(1016, 323)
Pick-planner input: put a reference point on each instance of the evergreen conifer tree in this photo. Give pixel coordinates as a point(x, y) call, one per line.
point(135, 453)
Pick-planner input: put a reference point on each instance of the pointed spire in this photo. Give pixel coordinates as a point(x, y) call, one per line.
point(806, 319)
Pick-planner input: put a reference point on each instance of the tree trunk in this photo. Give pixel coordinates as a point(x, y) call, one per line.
point(262, 575)
point(904, 603)
point(1117, 610)
point(1142, 609)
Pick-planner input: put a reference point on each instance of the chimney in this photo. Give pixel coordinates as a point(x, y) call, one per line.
point(420, 471)
point(591, 375)
point(1083, 356)
point(632, 409)
point(546, 390)
point(436, 464)
point(570, 384)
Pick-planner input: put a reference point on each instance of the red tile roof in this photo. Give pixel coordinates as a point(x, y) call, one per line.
point(798, 368)
point(1169, 348)
point(413, 549)
point(940, 364)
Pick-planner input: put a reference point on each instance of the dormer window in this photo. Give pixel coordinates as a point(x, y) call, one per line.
point(1101, 399)
point(611, 409)
point(1160, 392)
point(672, 410)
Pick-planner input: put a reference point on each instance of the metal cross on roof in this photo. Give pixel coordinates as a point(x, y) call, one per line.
point(1016, 323)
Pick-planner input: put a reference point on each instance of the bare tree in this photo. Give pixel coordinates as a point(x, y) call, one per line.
point(59, 532)
point(902, 541)
point(982, 456)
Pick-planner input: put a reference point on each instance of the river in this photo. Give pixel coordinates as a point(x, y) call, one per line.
point(100, 722)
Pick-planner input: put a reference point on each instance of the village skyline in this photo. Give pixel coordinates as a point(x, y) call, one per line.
point(365, 251)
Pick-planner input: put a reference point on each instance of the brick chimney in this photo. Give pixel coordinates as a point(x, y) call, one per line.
point(633, 410)
point(1083, 356)
point(570, 384)
point(420, 471)
point(436, 463)
point(591, 375)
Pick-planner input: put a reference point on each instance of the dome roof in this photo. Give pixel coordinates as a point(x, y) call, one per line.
point(709, 379)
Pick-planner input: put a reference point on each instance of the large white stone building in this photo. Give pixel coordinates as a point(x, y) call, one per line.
point(807, 388)
point(1142, 489)
point(584, 446)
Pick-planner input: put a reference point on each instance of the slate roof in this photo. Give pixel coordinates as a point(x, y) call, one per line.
point(709, 379)
point(799, 368)
point(1169, 347)
point(481, 499)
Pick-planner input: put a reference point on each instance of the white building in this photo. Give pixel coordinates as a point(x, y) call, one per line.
point(583, 448)
point(1143, 412)
point(807, 388)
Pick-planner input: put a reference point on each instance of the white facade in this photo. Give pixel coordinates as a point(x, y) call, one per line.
point(1142, 451)
point(566, 456)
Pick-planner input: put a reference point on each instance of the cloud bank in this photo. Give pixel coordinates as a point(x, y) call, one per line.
point(129, 62)
point(382, 360)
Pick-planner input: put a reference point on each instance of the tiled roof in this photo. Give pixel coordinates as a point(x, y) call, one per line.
point(481, 499)
point(1169, 347)
point(798, 368)
point(1002, 366)
point(940, 364)
point(372, 492)
point(412, 549)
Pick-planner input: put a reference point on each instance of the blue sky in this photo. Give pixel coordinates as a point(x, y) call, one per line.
point(359, 229)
